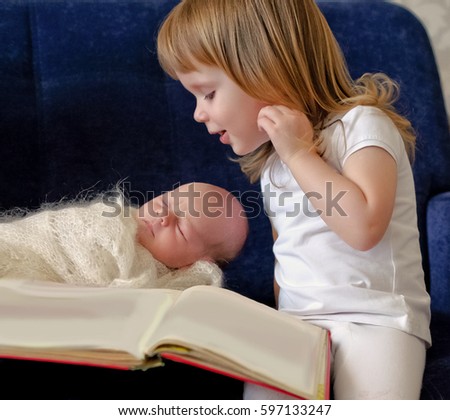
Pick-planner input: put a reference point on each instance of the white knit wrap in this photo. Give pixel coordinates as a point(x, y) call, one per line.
point(90, 244)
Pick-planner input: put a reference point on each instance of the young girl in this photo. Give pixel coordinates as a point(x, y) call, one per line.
point(332, 158)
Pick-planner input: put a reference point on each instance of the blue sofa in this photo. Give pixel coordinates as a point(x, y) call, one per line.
point(84, 104)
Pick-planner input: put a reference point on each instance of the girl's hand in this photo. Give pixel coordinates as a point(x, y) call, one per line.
point(289, 130)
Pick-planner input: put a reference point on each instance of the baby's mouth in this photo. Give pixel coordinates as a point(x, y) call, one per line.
point(150, 227)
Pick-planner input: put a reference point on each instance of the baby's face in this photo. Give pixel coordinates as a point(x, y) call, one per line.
point(176, 228)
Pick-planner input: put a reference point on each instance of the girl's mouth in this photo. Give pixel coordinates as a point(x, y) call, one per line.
point(224, 137)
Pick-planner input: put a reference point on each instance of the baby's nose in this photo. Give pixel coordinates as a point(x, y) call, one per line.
point(167, 218)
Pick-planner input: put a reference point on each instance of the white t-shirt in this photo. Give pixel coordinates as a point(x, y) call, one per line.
point(323, 278)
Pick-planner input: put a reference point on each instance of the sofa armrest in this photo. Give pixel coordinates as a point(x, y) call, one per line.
point(438, 231)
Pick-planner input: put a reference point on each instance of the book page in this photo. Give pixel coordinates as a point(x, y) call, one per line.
point(257, 338)
point(42, 315)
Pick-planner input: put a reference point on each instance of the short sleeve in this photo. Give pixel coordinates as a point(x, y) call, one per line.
point(366, 126)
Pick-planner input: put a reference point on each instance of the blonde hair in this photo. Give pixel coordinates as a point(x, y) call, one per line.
point(278, 52)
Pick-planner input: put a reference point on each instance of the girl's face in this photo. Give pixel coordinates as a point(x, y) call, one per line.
point(225, 108)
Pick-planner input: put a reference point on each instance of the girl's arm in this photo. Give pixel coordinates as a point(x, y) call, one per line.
point(356, 204)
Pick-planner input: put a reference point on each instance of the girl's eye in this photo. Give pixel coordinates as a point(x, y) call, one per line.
point(210, 96)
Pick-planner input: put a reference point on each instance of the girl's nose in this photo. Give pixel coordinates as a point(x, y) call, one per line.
point(200, 115)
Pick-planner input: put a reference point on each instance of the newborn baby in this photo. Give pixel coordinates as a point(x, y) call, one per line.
point(174, 241)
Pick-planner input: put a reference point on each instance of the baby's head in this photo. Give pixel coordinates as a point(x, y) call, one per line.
point(195, 221)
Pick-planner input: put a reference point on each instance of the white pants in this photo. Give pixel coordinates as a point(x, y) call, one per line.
point(368, 362)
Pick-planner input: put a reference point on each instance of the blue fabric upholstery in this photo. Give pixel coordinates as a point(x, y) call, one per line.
point(438, 229)
point(84, 104)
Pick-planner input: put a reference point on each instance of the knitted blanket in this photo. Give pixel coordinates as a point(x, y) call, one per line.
point(90, 244)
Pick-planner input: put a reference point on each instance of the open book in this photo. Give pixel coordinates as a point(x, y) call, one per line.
point(207, 327)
